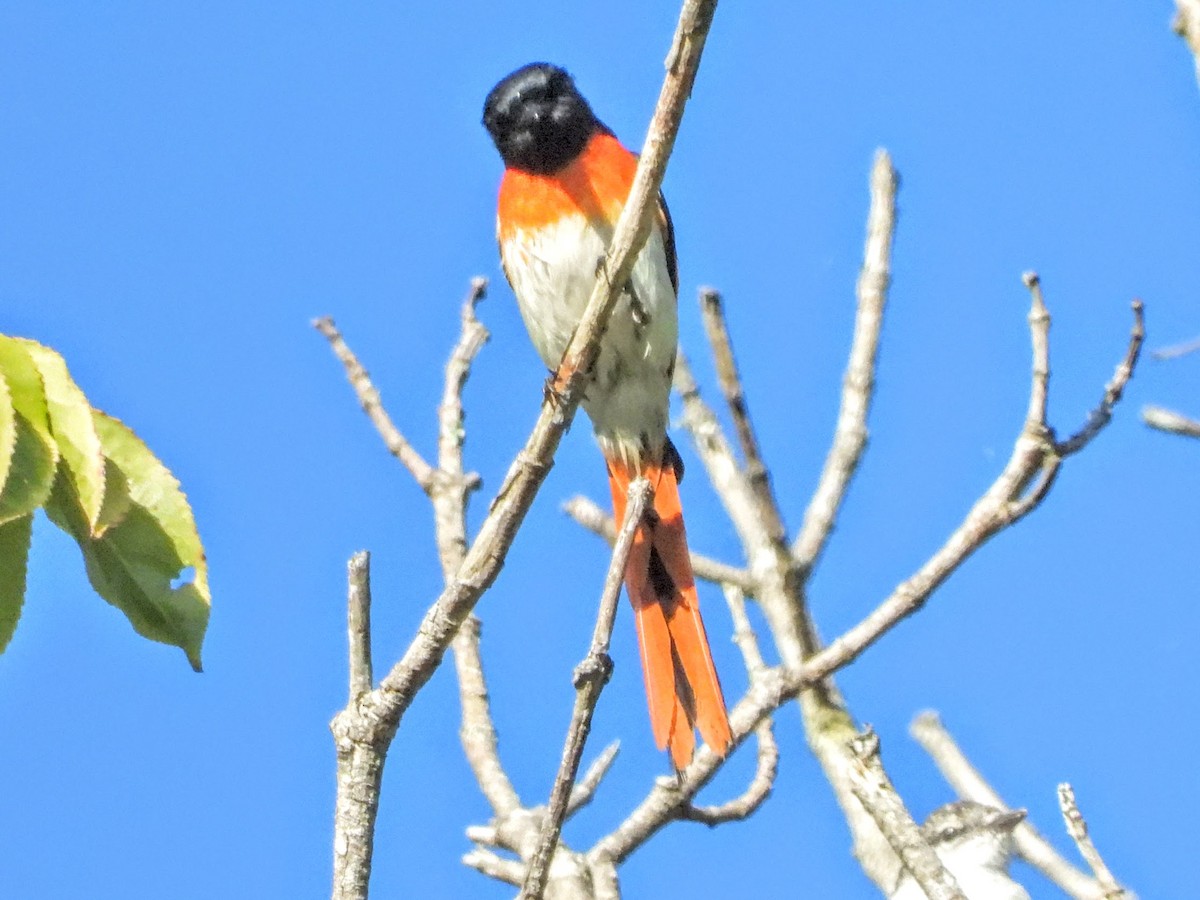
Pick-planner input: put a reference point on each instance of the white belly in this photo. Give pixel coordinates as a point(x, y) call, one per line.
point(552, 272)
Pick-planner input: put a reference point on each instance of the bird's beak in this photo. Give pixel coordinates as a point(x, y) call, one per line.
point(1010, 818)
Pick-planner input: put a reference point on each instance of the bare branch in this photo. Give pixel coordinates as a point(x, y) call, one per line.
point(590, 677)
point(928, 731)
point(507, 870)
point(730, 382)
point(858, 385)
point(1170, 421)
point(585, 789)
point(368, 398)
point(1102, 414)
point(756, 792)
point(588, 514)
point(478, 731)
point(1077, 828)
point(877, 795)
point(743, 632)
point(1175, 351)
point(1020, 487)
point(359, 625)
point(471, 339)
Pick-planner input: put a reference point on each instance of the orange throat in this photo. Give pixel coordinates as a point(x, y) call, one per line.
point(595, 184)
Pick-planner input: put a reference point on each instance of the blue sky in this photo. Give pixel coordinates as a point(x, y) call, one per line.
point(183, 189)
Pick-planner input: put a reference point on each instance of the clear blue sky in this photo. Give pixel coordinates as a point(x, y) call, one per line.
point(183, 189)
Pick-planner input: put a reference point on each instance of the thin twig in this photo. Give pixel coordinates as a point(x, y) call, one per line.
point(928, 731)
point(1102, 414)
point(477, 730)
point(1170, 421)
point(590, 677)
point(485, 861)
point(359, 624)
point(1077, 828)
point(744, 635)
point(730, 381)
point(858, 384)
point(368, 398)
point(585, 788)
point(592, 517)
point(1175, 351)
point(756, 793)
point(878, 796)
point(767, 763)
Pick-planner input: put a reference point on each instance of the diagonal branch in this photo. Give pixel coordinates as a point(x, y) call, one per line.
point(1102, 414)
point(878, 796)
point(1077, 828)
point(1170, 421)
point(585, 788)
point(730, 381)
point(858, 385)
point(368, 398)
point(590, 678)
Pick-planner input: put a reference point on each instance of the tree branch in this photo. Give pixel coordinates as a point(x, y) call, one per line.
point(858, 385)
point(1077, 828)
point(359, 624)
point(730, 381)
point(1175, 351)
point(368, 398)
point(878, 796)
point(1102, 414)
point(585, 789)
point(590, 678)
point(1170, 421)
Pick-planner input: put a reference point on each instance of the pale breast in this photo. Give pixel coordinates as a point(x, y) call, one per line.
point(552, 270)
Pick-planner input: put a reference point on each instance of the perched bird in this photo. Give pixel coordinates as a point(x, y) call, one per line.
point(974, 843)
point(566, 179)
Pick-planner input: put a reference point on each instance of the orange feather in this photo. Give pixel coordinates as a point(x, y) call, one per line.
point(682, 687)
point(595, 184)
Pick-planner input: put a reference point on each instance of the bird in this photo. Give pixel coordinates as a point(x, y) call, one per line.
point(974, 843)
point(565, 182)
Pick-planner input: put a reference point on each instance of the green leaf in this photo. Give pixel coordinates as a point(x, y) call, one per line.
point(8, 430)
point(71, 424)
point(140, 563)
point(14, 556)
point(34, 455)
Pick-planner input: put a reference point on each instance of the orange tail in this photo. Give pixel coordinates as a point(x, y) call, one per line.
point(681, 682)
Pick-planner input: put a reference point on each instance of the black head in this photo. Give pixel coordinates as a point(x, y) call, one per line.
point(538, 120)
